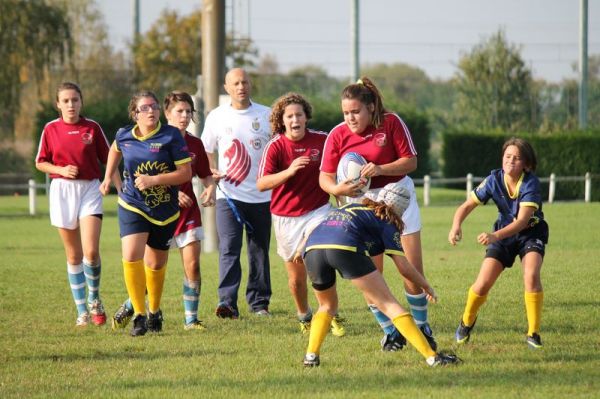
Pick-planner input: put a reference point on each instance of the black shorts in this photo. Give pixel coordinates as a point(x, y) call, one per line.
point(533, 239)
point(321, 265)
point(159, 237)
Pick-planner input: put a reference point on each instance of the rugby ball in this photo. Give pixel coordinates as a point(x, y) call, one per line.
point(349, 168)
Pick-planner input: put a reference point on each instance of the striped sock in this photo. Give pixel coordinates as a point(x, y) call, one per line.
point(384, 322)
point(92, 277)
point(77, 283)
point(191, 300)
point(418, 307)
point(128, 305)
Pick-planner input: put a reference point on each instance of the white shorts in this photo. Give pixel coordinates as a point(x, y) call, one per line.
point(71, 200)
point(411, 216)
point(188, 237)
point(290, 231)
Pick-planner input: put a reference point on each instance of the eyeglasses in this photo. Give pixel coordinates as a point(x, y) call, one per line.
point(148, 107)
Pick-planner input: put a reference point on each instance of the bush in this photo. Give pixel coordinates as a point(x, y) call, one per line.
point(564, 154)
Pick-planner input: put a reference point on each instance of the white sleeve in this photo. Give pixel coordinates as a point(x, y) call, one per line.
point(209, 136)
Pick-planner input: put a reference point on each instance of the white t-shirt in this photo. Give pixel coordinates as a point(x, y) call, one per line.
point(239, 137)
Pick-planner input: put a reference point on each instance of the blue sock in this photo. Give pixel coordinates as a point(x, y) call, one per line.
point(418, 307)
point(128, 304)
point(384, 322)
point(92, 277)
point(77, 283)
point(191, 300)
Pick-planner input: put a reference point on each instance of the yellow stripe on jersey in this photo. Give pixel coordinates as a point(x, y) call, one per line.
point(151, 220)
point(393, 252)
point(474, 198)
point(184, 160)
point(516, 193)
point(146, 137)
point(530, 204)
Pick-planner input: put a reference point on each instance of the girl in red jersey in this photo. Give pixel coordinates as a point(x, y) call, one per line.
point(384, 140)
point(70, 151)
point(290, 167)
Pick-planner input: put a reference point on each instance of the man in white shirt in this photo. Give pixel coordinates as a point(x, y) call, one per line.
point(239, 132)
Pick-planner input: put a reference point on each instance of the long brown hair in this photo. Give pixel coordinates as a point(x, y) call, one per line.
point(385, 213)
point(365, 91)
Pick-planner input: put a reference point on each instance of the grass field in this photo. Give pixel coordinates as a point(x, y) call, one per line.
point(42, 354)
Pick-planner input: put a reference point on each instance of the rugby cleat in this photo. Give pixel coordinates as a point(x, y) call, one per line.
point(463, 333)
point(122, 317)
point(534, 341)
point(195, 325)
point(426, 330)
point(155, 320)
point(139, 326)
point(83, 319)
point(393, 342)
point(311, 360)
point(337, 326)
point(304, 327)
point(225, 311)
point(97, 313)
point(443, 359)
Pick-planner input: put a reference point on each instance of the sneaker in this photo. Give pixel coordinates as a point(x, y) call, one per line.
point(393, 342)
point(311, 360)
point(121, 317)
point(263, 312)
point(194, 325)
point(443, 359)
point(155, 321)
point(534, 341)
point(139, 326)
point(83, 319)
point(226, 312)
point(97, 312)
point(337, 328)
point(463, 333)
point(426, 330)
point(305, 327)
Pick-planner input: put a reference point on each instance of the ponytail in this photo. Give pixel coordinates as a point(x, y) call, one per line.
point(365, 91)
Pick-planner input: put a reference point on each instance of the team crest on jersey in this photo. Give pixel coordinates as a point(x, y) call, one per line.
point(155, 147)
point(314, 154)
point(256, 144)
point(155, 195)
point(255, 125)
point(86, 137)
point(380, 139)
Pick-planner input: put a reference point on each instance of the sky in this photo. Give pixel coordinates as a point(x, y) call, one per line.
point(429, 34)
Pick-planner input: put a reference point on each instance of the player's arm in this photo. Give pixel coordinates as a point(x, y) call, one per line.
point(516, 226)
point(345, 188)
point(461, 213)
point(212, 162)
point(208, 196)
point(401, 166)
point(271, 181)
point(112, 162)
point(409, 272)
point(68, 171)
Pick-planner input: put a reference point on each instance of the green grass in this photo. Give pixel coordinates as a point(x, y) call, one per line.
point(42, 354)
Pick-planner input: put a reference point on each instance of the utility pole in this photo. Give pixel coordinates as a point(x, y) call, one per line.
point(213, 74)
point(583, 63)
point(354, 38)
point(135, 11)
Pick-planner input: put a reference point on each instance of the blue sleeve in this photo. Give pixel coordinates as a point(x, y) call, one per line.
point(484, 191)
point(531, 194)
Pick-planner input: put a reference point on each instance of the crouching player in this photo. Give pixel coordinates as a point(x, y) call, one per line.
point(345, 241)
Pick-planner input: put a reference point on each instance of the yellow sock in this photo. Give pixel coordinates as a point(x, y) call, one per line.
point(319, 326)
point(155, 280)
point(407, 327)
point(474, 302)
point(135, 281)
point(533, 306)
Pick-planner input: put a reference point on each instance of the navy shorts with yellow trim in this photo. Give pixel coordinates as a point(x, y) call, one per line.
point(533, 239)
point(159, 237)
point(322, 263)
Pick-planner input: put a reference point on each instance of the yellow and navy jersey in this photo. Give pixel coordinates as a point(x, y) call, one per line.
point(355, 228)
point(158, 152)
point(527, 193)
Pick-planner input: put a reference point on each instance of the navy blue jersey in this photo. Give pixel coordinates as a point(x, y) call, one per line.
point(527, 193)
point(159, 152)
point(355, 228)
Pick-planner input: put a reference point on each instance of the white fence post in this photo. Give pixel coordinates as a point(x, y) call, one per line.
point(552, 189)
point(426, 190)
point(588, 187)
point(469, 183)
point(32, 199)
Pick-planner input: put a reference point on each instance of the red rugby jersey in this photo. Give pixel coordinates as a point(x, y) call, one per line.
point(82, 144)
point(386, 144)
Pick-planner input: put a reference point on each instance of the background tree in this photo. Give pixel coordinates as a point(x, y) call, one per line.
point(495, 88)
point(34, 37)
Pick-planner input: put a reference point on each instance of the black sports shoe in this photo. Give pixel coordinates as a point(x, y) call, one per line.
point(311, 360)
point(534, 341)
point(393, 342)
point(426, 330)
point(225, 311)
point(139, 326)
point(155, 321)
point(443, 359)
point(463, 333)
